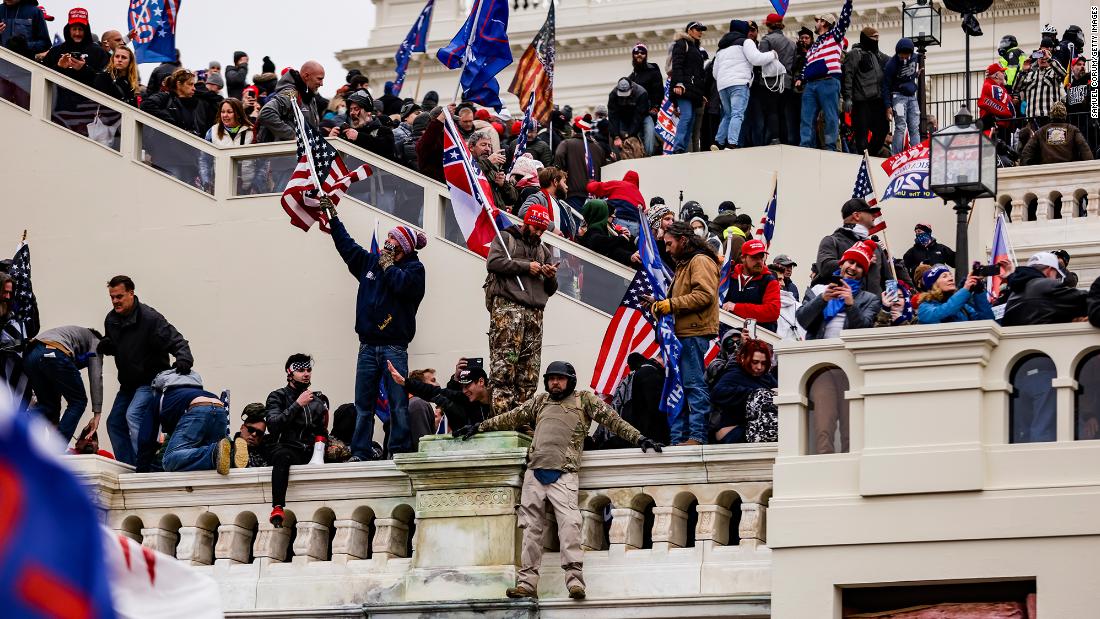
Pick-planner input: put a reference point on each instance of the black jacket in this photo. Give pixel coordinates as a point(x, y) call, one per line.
point(643, 411)
point(289, 423)
point(460, 411)
point(94, 57)
point(141, 342)
point(617, 248)
point(118, 88)
point(376, 138)
point(25, 29)
point(1094, 303)
point(730, 394)
point(935, 253)
point(236, 78)
point(833, 247)
point(687, 67)
point(627, 114)
point(648, 76)
point(1038, 300)
point(193, 114)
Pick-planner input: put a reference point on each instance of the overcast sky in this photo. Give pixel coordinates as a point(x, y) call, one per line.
point(290, 32)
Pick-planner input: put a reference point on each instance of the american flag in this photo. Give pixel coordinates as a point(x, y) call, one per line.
point(521, 139)
point(767, 222)
point(630, 330)
point(21, 326)
point(666, 121)
point(535, 71)
point(319, 161)
point(865, 188)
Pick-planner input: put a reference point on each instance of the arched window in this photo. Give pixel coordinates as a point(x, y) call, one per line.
point(828, 410)
point(1087, 404)
point(1033, 406)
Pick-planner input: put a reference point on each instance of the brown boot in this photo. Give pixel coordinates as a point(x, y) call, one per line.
point(519, 591)
point(690, 441)
point(576, 592)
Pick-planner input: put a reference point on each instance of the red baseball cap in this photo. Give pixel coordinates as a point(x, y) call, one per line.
point(994, 68)
point(78, 16)
point(753, 247)
point(537, 216)
point(773, 19)
point(46, 16)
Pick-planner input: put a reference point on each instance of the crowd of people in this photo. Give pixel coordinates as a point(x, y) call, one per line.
point(754, 91)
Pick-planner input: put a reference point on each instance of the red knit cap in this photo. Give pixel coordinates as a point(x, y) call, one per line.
point(537, 216)
point(861, 253)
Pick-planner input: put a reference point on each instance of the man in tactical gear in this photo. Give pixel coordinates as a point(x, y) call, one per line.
point(561, 418)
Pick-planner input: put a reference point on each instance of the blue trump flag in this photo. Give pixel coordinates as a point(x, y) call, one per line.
point(672, 395)
point(52, 560)
point(481, 48)
point(415, 41)
point(154, 22)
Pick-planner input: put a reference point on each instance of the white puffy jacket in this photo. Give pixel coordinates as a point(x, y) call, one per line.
point(733, 65)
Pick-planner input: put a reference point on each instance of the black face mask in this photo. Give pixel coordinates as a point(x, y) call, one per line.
point(296, 385)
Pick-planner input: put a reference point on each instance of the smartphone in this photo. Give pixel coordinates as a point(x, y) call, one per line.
point(832, 279)
point(475, 362)
point(750, 327)
point(986, 270)
point(892, 288)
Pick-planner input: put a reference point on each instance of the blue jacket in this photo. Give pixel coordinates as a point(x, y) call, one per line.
point(900, 76)
point(730, 394)
point(961, 307)
point(24, 22)
point(385, 307)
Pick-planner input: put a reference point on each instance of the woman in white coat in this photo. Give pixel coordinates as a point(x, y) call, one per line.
point(737, 55)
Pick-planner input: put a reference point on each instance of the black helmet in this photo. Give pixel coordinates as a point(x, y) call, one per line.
point(561, 368)
point(1008, 42)
point(691, 209)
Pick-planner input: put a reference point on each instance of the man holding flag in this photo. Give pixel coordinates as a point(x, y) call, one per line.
point(481, 48)
point(693, 303)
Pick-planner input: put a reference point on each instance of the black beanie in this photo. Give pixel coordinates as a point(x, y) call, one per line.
point(237, 56)
point(269, 67)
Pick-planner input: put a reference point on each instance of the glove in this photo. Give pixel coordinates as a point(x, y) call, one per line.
point(660, 308)
point(182, 367)
point(385, 259)
point(647, 443)
point(466, 432)
point(105, 347)
point(327, 207)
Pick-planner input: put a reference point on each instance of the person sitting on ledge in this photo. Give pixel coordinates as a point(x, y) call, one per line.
point(297, 417)
point(561, 418)
point(250, 444)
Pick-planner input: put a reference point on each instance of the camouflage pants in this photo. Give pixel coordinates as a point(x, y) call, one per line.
point(515, 353)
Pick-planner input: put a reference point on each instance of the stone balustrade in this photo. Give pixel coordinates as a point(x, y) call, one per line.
point(438, 527)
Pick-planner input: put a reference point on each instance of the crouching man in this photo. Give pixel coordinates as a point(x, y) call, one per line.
point(561, 418)
point(195, 420)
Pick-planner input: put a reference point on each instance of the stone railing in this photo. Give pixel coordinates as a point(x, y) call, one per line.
point(439, 527)
point(1045, 192)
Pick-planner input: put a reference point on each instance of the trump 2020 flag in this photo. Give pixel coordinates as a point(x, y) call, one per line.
point(481, 48)
point(471, 196)
point(51, 548)
point(908, 172)
point(672, 395)
point(781, 6)
point(415, 41)
point(154, 25)
point(767, 223)
point(147, 584)
point(666, 121)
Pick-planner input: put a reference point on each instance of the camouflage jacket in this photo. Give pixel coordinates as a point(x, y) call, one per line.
point(588, 407)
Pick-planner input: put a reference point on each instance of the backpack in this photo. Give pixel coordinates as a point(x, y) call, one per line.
point(762, 417)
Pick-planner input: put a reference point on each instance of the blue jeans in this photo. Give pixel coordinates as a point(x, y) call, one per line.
point(369, 370)
point(53, 375)
point(685, 126)
point(649, 135)
point(132, 428)
point(906, 115)
point(192, 445)
point(734, 101)
point(692, 422)
point(823, 96)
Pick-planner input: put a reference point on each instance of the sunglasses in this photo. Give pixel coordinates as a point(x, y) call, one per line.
point(251, 430)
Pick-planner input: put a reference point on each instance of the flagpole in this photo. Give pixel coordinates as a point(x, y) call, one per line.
point(420, 69)
point(466, 56)
point(307, 147)
point(885, 240)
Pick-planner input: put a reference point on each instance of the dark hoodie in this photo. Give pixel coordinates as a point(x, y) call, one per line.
point(863, 70)
point(277, 119)
point(94, 56)
point(900, 76)
point(648, 76)
point(1037, 300)
point(739, 31)
point(25, 29)
point(1094, 303)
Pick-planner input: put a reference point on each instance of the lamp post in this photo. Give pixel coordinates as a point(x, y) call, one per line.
point(963, 164)
point(921, 24)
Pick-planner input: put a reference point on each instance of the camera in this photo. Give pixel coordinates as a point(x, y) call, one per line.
point(986, 270)
point(1037, 55)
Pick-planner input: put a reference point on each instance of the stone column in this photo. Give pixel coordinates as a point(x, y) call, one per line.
point(352, 541)
point(311, 542)
point(753, 524)
point(1069, 206)
point(1042, 208)
point(591, 530)
point(713, 525)
point(196, 545)
point(160, 540)
point(626, 529)
point(271, 544)
point(234, 543)
point(1019, 211)
point(1093, 207)
point(391, 538)
point(467, 542)
point(669, 528)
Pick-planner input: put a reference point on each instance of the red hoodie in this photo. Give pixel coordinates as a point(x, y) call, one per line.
point(625, 190)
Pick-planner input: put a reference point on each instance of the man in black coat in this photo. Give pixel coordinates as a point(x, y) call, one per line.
point(688, 83)
point(77, 56)
point(628, 112)
point(364, 129)
point(648, 75)
point(927, 250)
point(1039, 296)
point(140, 339)
point(23, 28)
point(858, 218)
point(465, 400)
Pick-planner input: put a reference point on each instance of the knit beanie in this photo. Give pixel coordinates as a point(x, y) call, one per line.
point(537, 216)
point(408, 238)
point(657, 213)
point(268, 66)
point(931, 275)
point(923, 226)
point(237, 56)
point(861, 253)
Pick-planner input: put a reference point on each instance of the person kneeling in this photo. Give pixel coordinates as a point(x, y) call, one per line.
point(945, 302)
point(197, 424)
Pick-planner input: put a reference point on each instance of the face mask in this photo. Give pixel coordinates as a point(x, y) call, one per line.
point(702, 232)
point(390, 246)
point(861, 231)
point(924, 239)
